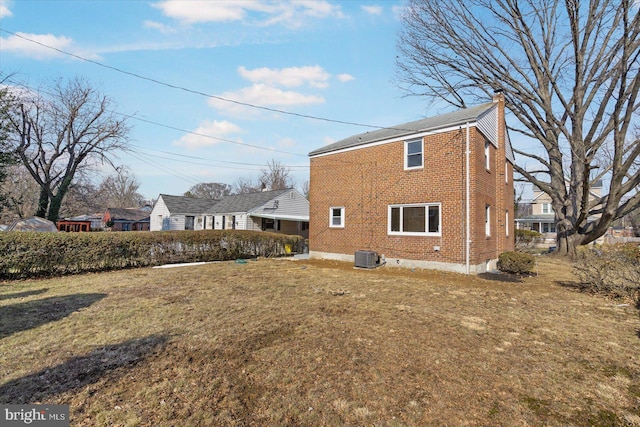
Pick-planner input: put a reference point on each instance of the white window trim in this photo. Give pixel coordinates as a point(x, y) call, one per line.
point(331, 224)
point(406, 154)
point(487, 220)
point(506, 222)
point(413, 205)
point(487, 155)
point(548, 209)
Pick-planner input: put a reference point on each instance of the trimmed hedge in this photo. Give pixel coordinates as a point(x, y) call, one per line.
point(611, 270)
point(30, 254)
point(516, 262)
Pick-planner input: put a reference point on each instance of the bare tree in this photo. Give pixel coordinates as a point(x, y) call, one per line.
point(121, 190)
point(209, 190)
point(276, 176)
point(7, 157)
point(58, 136)
point(305, 189)
point(82, 198)
point(21, 194)
point(570, 75)
point(245, 185)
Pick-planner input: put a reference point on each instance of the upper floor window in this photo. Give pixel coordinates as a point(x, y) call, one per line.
point(336, 217)
point(487, 156)
point(413, 154)
point(422, 219)
point(546, 208)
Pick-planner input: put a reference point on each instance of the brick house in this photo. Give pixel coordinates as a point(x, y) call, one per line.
point(434, 193)
point(126, 219)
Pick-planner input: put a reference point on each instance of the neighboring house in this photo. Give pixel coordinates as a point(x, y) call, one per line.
point(542, 218)
point(81, 223)
point(73, 225)
point(282, 211)
point(126, 219)
point(434, 193)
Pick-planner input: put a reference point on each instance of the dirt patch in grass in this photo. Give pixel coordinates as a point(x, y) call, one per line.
point(281, 342)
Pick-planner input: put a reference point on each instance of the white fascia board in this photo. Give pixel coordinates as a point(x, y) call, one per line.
point(398, 138)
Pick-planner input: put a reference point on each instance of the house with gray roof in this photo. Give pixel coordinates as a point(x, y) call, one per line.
point(431, 193)
point(283, 211)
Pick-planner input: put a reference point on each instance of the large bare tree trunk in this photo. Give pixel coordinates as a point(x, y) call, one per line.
point(570, 74)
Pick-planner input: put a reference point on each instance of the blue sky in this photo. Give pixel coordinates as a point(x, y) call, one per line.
point(326, 59)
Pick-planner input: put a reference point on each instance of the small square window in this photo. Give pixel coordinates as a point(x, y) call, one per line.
point(336, 217)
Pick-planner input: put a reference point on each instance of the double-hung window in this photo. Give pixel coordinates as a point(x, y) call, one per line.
point(546, 208)
point(413, 158)
point(415, 219)
point(336, 217)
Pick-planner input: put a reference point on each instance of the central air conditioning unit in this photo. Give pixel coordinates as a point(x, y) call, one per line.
point(366, 259)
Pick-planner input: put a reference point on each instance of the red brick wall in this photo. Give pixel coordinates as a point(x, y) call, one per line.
point(366, 181)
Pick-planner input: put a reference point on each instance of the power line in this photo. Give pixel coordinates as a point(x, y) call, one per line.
point(210, 136)
point(207, 95)
point(131, 116)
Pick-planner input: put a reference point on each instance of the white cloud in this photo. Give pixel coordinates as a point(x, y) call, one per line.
point(4, 9)
point(262, 95)
point(19, 44)
point(345, 77)
point(164, 29)
point(258, 12)
point(315, 76)
point(319, 9)
point(194, 11)
point(372, 10)
point(201, 136)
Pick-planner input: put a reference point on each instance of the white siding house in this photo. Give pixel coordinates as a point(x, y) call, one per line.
point(285, 211)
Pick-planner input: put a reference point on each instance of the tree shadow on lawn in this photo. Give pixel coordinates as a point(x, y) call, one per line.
point(27, 315)
point(24, 294)
point(80, 371)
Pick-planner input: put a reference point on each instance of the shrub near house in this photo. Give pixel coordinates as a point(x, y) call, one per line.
point(612, 270)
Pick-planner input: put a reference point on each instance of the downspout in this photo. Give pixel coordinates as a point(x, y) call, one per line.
point(467, 203)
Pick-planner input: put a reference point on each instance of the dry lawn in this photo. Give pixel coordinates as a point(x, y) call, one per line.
point(310, 343)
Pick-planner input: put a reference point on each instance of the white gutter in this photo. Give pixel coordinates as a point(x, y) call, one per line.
point(468, 213)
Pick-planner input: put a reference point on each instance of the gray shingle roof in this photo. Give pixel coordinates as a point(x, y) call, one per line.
point(186, 205)
point(244, 202)
point(128, 214)
point(429, 124)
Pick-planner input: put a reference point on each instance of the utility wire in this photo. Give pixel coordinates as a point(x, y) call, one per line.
point(207, 95)
point(131, 116)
